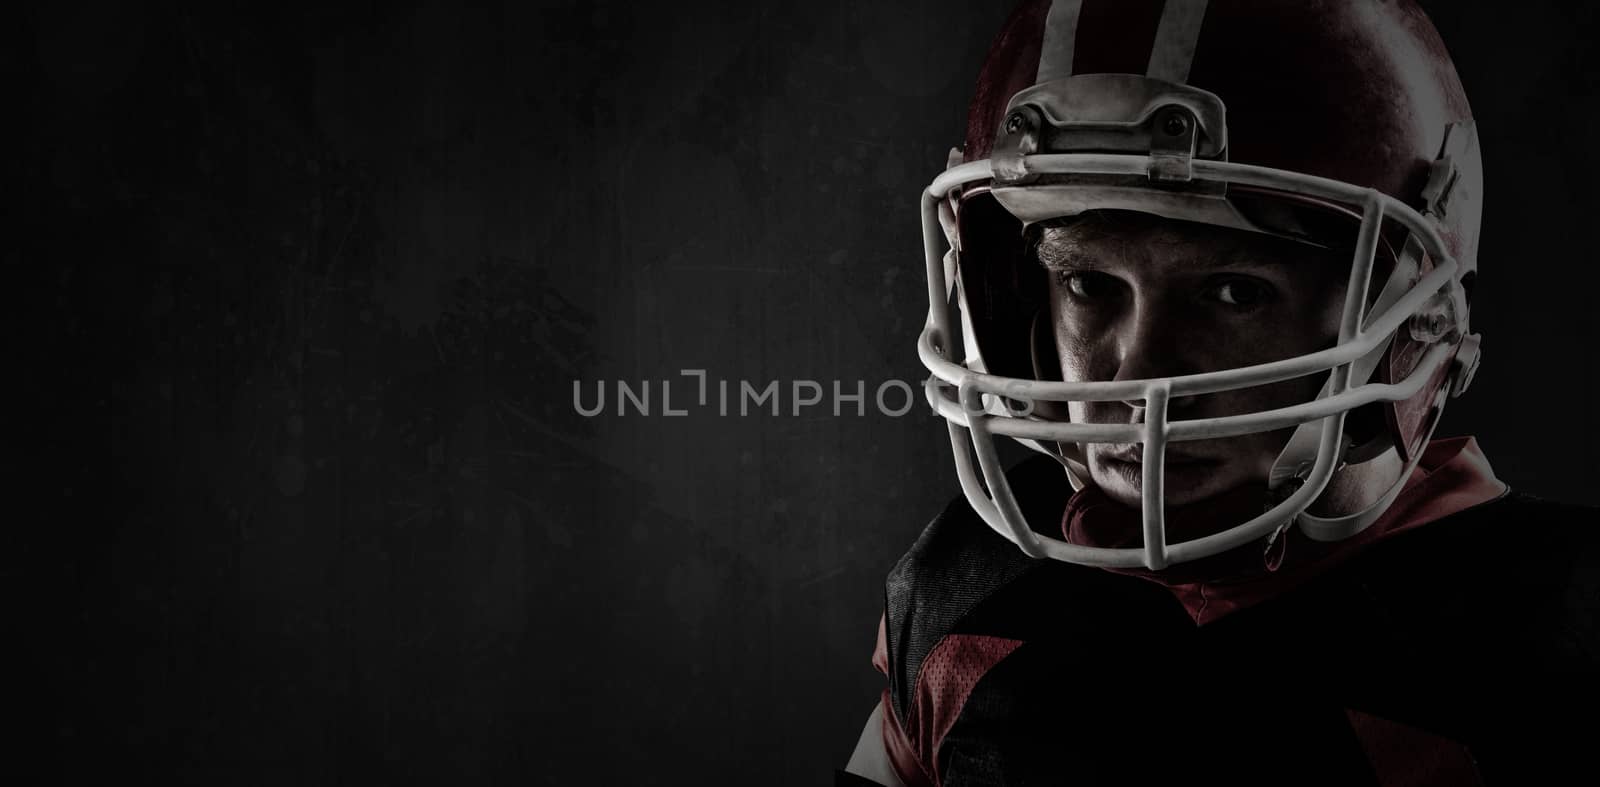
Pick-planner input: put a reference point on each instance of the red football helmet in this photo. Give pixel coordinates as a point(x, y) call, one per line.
point(1309, 120)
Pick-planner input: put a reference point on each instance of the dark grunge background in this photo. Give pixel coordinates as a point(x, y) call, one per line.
point(299, 297)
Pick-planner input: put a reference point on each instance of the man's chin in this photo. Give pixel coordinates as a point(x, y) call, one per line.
point(1196, 505)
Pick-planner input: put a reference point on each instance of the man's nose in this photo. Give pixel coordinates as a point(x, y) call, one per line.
point(1150, 344)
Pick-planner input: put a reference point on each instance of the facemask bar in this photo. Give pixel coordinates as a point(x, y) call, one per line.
point(972, 425)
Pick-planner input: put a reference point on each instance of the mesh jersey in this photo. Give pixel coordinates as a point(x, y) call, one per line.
point(1441, 657)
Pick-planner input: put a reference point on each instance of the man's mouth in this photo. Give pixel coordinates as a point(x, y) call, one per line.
point(1135, 456)
point(1180, 471)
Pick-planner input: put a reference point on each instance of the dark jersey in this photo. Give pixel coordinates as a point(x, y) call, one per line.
point(1461, 652)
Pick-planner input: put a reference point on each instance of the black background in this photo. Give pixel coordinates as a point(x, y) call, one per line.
point(300, 294)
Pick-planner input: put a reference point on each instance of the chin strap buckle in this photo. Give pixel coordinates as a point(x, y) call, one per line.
point(1272, 551)
point(1285, 488)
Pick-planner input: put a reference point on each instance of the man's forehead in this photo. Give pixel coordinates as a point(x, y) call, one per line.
point(1105, 237)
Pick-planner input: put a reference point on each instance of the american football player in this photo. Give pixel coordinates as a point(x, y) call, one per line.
point(1213, 264)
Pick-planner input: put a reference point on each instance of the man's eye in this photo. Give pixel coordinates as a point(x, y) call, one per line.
point(1087, 285)
point(1241, 293)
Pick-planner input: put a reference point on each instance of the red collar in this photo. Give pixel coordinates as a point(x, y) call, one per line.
point(1453, 475)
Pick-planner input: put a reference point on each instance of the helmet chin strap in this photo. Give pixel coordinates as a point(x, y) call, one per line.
point(1342, 527)
point(1066, 463)
point(1289, 470)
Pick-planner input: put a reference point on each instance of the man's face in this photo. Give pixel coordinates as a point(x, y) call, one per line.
point(1135, 297)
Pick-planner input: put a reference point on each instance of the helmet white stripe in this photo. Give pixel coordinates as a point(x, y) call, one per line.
point(1060, 40)
point(1176, 36)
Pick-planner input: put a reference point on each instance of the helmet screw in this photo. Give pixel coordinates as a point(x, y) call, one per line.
point(1175, 125)
point(1014, 123)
